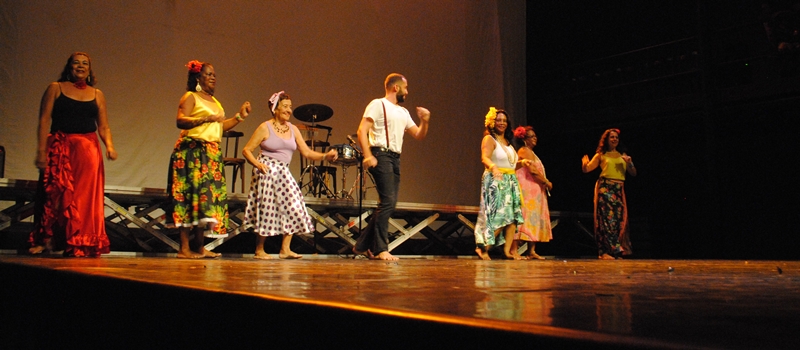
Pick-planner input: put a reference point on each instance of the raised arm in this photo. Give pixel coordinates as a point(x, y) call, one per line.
point(589, 165)
point(419, 132)
point(244, 111)
point(629, 162)
point(102, 126)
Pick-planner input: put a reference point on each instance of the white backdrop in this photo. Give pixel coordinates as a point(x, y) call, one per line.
point(459, 57)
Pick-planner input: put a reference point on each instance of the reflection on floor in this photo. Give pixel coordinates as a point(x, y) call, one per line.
point(583, 303)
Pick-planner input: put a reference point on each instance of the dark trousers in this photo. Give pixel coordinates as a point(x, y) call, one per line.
point(386, 174)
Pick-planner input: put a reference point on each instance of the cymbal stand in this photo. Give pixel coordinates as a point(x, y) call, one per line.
point(349, 193)
point(360, 184)
point(344, 193)
point(316, 182)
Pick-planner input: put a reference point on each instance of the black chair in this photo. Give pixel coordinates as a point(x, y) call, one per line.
point(235, 162)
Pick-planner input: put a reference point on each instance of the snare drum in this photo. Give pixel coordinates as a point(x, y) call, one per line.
point(347, 155)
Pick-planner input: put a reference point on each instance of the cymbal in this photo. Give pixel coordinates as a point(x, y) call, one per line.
point(313, 113)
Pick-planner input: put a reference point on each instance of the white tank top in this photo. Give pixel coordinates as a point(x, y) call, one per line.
point(500, 156)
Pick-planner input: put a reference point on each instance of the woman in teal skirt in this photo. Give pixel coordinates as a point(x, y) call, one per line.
point(500, 208)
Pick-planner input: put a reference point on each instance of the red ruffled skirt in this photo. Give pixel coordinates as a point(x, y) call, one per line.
point(73, 183)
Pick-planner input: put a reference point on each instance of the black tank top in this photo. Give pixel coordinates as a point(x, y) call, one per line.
point(74, 117)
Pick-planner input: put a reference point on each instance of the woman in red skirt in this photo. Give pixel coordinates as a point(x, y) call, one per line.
point(71, 115)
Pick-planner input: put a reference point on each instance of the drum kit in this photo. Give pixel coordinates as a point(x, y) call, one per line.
point(313, 177)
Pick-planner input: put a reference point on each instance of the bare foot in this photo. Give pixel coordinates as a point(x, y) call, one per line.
point(534, 256)
point(209, 254)
point(483, 255)
point(188, 254)
point(605, 257)
point(39, 249)
point(384, 255)
point(262, 256)
point(290, 255)
point(513, 257)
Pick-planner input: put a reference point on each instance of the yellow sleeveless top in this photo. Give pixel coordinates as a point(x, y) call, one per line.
point(211, 132)
point(613, 167)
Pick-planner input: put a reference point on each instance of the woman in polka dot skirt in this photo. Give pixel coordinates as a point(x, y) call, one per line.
point(275, 205)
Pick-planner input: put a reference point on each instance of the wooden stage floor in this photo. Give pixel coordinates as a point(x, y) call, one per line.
point(584, 303)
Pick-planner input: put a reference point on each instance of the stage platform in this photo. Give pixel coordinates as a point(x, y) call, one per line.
point(133, 301)
point(135, 221)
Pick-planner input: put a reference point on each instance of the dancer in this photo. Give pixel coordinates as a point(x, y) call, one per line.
point(535, 189)
point(500, 208)
point(71, 116)
point(610, 206)
point(275, 205)
point(196, 184)
point(382, 159)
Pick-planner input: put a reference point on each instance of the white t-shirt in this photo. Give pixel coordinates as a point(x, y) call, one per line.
point(399, 121)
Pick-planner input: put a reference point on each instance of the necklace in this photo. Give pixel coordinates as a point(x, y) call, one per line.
point(278, 128)
point(510, 155)
point(80, 84)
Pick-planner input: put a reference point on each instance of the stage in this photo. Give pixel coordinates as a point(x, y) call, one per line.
point(135, 222)
point(141, 301)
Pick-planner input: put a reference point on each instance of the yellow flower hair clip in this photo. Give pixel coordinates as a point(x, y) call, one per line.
point(490, 117)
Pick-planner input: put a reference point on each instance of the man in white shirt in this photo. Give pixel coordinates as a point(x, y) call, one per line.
point(382, 158)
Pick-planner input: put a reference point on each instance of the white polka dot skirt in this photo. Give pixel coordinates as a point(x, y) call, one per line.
point(275, 205)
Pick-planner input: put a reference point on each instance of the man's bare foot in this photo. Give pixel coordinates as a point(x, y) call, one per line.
point(384, 255)
point(289, 255)
point(483, 255)
point(513, 257)
point(262, 256)
point(605, 257)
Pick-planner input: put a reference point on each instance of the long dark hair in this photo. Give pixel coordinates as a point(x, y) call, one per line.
point(191, 81)
point(66, 73)
point(602, 146)
point(508, 134)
